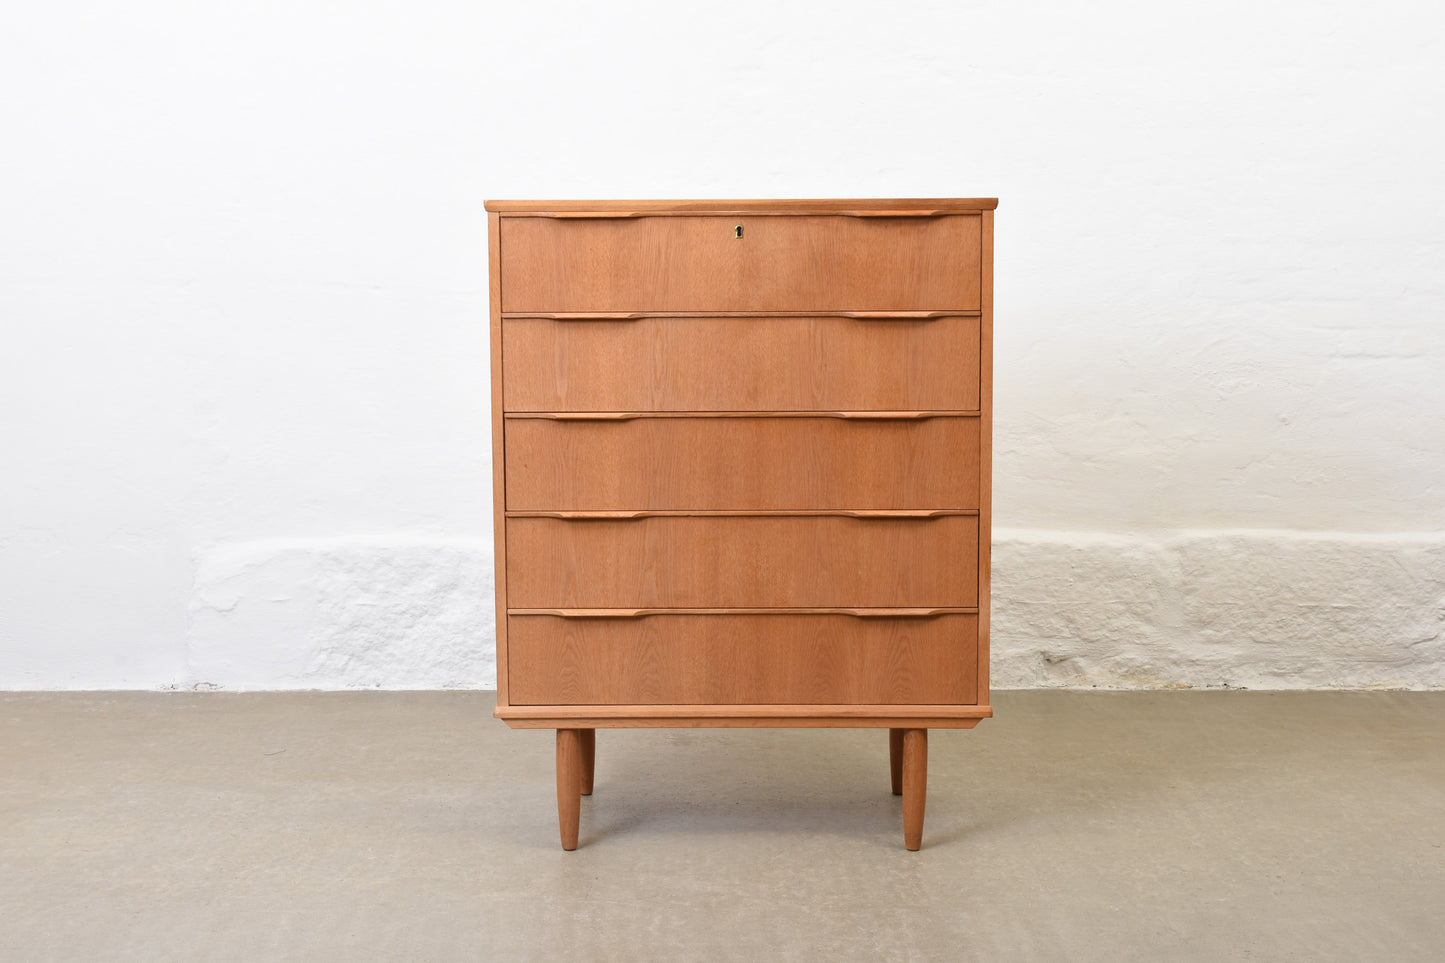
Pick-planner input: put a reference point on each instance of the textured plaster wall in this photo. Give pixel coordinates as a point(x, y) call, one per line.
point(243, 380)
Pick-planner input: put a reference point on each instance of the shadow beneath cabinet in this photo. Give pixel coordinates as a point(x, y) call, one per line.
point(1050, 762)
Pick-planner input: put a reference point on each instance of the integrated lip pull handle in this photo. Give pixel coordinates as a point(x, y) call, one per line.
point(879, 415)
point(586, 415)
point(911, 213)
point(896, 513)
point(891, 315)
point(899, 613)
point(590, 215)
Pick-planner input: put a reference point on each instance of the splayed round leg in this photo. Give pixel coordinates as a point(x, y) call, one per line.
point(915, 785)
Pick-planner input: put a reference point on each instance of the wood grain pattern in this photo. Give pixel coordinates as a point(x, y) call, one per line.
point(588, 745)
point(662, 512)
point(742, 363)
point(742, 659)
point(874, 415)
point(742, 463)
point(877, 612)
point(499, 460)
point(985, 454)
point(639, 315)
point(924, 206)
point(780, 264)
point(895, 760)
point(725, 561)
point(742, 474)
point(752, 717)
point(915, 786)
point(569, 785)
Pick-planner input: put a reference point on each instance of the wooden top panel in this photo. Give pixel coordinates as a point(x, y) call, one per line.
point(904, 206)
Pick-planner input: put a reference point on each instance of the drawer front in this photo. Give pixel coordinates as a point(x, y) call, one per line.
point(781, 263)
point(742, 364)
point(742, 464)
point(742, 561)
point(686, 659)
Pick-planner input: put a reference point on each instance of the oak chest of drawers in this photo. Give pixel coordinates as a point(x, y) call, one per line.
point(742, 464)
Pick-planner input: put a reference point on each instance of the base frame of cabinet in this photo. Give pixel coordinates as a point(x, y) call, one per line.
point(741, 717)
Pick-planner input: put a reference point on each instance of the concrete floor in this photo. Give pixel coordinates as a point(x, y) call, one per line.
point(412, 826)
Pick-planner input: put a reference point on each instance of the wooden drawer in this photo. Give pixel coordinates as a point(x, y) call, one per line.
point(732, 463)
point(781, 263)
point(723, 561)
point(742, 364)
point(753, 658)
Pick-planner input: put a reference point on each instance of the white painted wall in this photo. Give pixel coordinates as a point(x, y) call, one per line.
point(243, 381)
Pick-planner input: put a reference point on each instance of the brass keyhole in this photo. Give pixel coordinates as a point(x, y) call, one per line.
point(738, 231)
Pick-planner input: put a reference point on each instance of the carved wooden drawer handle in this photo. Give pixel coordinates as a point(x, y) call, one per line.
point(879, 415)
point(588, 416)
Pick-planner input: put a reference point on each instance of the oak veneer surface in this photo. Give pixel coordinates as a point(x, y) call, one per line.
point(677, 659)
point(727, 561)
point(742, 363)
point(742, 476)
point(873, 206)
point(742, 463)
point(687, 263)
point(853, 715)
point(499, 461)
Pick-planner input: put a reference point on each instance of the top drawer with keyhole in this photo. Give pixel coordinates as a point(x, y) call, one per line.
point(770, 263)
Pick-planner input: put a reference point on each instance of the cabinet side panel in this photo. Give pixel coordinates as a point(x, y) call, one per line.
point(499, 469)
point(985, 454)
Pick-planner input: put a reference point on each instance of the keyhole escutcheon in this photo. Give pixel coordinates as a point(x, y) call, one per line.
point(738, 231)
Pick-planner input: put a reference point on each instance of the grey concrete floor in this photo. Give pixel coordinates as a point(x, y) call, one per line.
point(413, 826)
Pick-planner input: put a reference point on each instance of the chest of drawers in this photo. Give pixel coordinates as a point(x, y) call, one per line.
point(742, 470)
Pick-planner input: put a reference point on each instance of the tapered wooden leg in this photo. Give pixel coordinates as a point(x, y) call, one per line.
point(895, 759)
point(915, 785)
point(589, 759)
point(569, 783)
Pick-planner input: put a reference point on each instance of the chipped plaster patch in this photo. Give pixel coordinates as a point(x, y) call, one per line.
point(342, 613)
point(1257, 609)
